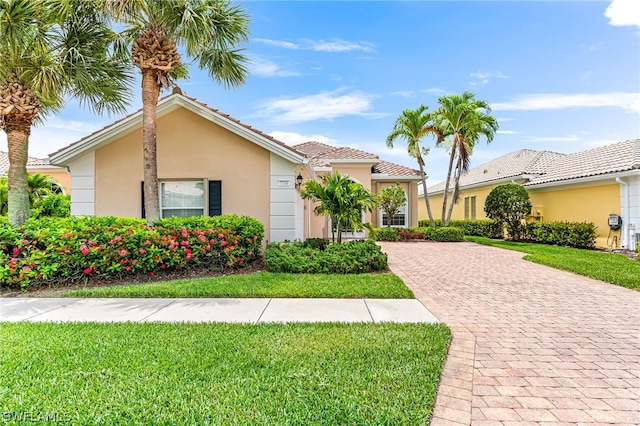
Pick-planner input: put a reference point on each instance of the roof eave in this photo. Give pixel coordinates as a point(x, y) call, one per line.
point(585, 179)
point(387, 177)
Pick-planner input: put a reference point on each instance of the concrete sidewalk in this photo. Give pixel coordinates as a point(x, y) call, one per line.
point(213, 310)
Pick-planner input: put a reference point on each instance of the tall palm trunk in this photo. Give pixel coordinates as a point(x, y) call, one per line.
point(18, 131)
point(446, 185)
point(424, 191)
point(456, 189)
point(150, 94)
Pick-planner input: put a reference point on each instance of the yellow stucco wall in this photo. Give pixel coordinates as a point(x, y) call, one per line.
point(587, 204)
point(555, 204)
point(189, 147)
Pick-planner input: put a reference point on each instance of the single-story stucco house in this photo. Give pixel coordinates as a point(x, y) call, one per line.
point(586, 186)
point(210, 163)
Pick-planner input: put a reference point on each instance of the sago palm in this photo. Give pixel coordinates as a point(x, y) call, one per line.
point(413, 125)
point(208, 31)
point(462, 119)
point(51, 50)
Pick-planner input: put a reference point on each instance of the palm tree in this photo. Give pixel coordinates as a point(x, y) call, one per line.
point(208, 30)
point(413, 125)
point(462, 119)
point(41, 186)
point(341, 199)
point(51, 50)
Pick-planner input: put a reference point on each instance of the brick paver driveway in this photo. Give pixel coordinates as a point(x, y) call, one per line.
point(531, 344)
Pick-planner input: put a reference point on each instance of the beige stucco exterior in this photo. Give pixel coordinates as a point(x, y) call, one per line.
point(189, 147)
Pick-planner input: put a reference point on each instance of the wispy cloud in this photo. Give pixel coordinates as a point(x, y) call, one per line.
point(571, 138)
point(435, 91)
point(334, 45)
point(508, 132)
point(482, 78)
point(324, 105)
point(292, 138)
point(262, 67)
point(56, 133)
point(552, 101)
point(623, 13)
point(404, 94)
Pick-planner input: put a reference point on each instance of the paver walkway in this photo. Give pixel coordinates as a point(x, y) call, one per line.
point(531, 344)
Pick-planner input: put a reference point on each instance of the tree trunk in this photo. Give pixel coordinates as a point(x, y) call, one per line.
point(150, 94)
point(446, 185)
point(424, 191)
point(18, 131)
point(454, 195)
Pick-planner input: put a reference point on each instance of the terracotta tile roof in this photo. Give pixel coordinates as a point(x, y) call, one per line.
point(31, 161)
point(511, 165)
point(202, 104)
point(618, 157)
point(392, 169)
point(320, 154)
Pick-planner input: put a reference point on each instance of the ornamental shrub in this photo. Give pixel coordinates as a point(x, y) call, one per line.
point(352, 257)
point(386, 234)
point(572, 234)
point(478, 227)
point(509, 205)
point(444, 234)
point(56, 251)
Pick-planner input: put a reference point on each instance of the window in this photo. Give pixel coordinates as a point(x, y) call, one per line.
point(182, 198)
point(399, 219)
point(185, 198)
point(470, 207)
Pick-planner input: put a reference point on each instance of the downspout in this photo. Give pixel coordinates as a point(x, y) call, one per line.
point(627, 215)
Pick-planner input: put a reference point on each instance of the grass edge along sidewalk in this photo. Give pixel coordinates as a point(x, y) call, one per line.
point(127, 373)
point(604, 266)
point(263, 284)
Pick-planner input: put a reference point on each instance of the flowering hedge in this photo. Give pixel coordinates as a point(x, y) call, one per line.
point(64, 250)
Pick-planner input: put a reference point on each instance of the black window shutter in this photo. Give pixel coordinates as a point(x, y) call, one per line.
point(215, 197)
point(142, 198)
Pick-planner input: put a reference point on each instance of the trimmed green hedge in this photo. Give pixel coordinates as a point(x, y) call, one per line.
point(479, 227)
point(56, 251)
point(442, 234)
point(352, 257)
point(570, 234)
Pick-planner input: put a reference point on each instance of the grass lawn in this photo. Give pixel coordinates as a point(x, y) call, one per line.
point(200, 374)
point(610, 267)
point(263, 284)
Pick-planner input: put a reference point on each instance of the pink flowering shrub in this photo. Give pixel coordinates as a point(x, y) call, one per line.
point(57, 251)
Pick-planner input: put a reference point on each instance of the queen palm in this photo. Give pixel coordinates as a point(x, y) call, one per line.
point(209, 31)
point(462, 119)
point(413, 125)
point(51, 51)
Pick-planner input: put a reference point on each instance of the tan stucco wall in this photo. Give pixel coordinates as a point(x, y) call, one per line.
point(588, 204)
point(189, 146)
point(411, 191)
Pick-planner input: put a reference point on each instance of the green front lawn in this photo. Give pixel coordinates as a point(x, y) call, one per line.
point(264, 284)
point(200, 374)
point(609, 267)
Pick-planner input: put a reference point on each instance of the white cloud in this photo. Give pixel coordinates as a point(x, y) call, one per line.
point(571, 138)
point(334, 45)
point(551, 101)
point(292, 138)
point(623, 12)
point(482, 78)
point(508, 132)
point(324, 105)
point(56, 133)
point(263, 67)
point(435, 91)
point(403, 94)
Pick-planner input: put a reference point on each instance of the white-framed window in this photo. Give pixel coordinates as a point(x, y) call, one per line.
point(398, 220)
point(182, 198)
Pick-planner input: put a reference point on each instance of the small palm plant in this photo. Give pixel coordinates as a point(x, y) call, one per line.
point(341, 199)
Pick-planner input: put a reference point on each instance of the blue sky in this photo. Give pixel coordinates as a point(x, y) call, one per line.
point(560, 76)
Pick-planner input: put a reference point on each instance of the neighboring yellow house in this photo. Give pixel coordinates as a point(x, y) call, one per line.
point(210, 163)
point(42, 166)
point(586, 186)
